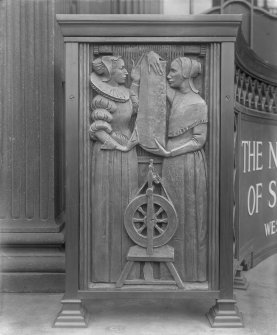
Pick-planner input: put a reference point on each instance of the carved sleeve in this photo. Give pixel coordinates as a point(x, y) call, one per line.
point(101, 129)
point(197, 141)
point(102, 109)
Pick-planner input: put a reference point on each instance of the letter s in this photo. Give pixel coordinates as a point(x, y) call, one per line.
point(273, 193)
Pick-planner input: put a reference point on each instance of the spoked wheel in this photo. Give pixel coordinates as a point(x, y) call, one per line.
point(164, 220)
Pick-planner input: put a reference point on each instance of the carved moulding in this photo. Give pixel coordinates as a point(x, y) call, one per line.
point(159, 34)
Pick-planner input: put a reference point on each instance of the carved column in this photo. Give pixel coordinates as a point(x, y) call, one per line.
point(31, 173)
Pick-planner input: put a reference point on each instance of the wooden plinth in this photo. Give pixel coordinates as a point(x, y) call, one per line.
point(225, 314)
point(72, 315)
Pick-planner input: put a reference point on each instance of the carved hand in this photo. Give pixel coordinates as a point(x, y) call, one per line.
point(111, 145)
point(100, 125)
point(161, 150)
point(108, 145)
point(133, 141)
point(153, 60)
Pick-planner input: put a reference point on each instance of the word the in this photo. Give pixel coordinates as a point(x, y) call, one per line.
point(253, 155)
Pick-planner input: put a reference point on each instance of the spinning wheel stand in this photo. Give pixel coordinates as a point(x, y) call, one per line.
point(150, 221)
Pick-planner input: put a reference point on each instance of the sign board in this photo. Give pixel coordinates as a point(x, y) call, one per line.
point(257, 184)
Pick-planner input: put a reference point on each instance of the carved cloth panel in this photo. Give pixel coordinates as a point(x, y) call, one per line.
point(152, 97)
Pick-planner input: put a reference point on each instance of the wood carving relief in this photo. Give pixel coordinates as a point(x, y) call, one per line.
point(148, 160)
point(114, 179)
point(171, 123)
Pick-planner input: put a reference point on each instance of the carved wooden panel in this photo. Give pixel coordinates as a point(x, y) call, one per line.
point(149, 223)
point(209, 58)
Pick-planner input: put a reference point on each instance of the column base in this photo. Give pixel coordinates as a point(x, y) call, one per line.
point(225, 314)
point(72, 315)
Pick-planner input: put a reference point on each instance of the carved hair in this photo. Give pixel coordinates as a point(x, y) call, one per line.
point(191, 68)
point(104, 65)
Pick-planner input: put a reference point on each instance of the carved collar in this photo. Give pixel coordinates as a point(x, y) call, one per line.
point(118, 93)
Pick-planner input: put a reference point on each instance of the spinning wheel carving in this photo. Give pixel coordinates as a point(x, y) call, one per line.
point(151, 221)
point(164, 220)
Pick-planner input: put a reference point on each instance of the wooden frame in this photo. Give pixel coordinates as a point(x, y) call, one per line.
point(218, 32)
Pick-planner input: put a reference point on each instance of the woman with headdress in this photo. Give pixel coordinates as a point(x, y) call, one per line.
point(114, 171)
point(184, 168)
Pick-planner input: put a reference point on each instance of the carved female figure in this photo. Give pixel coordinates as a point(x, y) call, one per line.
point(114, 175)
point(184, 168)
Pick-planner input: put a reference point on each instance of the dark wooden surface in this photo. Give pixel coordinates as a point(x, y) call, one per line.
point(27, 174)
point(252, 64)
point(31, 194)
point(226, 172)
point(32, 121)
point(225, 161)
point(212, 148)
point(256, 126)
point(255, 116)
point(84, 154)
point(72, 168)
point(142, 293)
point(140, 25)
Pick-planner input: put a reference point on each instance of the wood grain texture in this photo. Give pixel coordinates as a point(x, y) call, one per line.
point(72, 168)
point(226, 170)
point(146, 293)
point(32, 260)
point(27, 173)
point(224, 106)
point(84, 149)
point(61, 6)
point(236, 183)
point(213, 88)
point(5, 116)
point(150, 25)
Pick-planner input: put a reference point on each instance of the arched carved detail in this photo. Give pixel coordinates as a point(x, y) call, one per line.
point(254, 93)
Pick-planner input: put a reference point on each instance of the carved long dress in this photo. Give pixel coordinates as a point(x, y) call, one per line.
point(114, 181)
point(185, 180)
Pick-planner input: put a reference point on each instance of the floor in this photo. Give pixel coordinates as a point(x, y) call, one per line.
point(33, 314)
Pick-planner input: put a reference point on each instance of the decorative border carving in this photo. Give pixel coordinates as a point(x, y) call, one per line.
point(254, 93)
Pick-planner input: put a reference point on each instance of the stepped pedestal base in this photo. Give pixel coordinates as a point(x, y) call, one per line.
point(225, 314)
point(72, 315)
